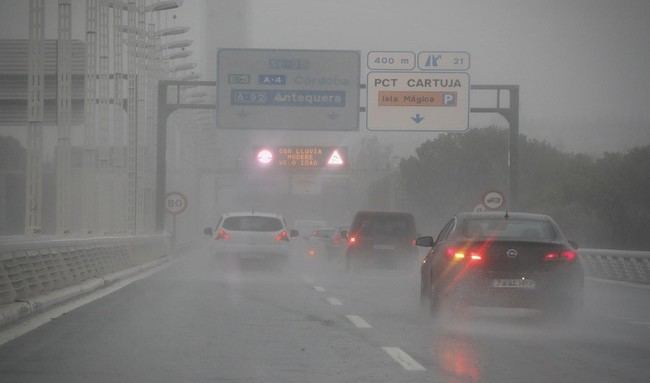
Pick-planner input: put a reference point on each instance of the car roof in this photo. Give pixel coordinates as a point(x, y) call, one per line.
point(252, 213)
point(384, 213)
point(502, 214)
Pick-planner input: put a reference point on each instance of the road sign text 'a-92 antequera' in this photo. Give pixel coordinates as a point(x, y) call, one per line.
point(288, 89)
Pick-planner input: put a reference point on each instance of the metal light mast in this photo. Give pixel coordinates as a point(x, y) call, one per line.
point(103, 131)
point(118, 96)
point(91, 73)
point(63, 165)
point(132, 103)
point(35, 89)
point(141, 54)
point(89, 209)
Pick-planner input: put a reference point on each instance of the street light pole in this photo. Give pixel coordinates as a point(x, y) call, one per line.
point(63, 154)
point(35, 91)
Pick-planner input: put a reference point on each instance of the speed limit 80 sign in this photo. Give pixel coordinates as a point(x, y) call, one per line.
point(175, 203)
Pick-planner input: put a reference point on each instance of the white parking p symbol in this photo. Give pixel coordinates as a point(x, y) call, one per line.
point(449, 99)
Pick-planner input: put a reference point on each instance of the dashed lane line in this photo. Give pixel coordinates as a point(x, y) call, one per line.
point(334, 301)
point(403, 359)
point(320, 289)
point(358, 321)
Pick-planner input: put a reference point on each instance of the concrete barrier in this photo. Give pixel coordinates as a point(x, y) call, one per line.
point(30, 268)
point(618, 265)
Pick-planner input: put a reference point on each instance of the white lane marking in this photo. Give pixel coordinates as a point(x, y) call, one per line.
point(403, 359)
point(358, 321)
point(307, 279)
point(320, 289)
point(23, 327)
point(334, 301)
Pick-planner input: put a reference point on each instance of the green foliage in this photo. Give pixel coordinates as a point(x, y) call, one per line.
point(599, 202)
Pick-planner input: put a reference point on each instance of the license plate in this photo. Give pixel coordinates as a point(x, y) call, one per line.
point(514, 283)
point(383, 247)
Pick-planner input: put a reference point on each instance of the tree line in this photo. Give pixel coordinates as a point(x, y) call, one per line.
point(599, 201)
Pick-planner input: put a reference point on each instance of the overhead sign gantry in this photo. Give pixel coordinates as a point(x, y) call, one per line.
point(435, 98)
point(288, 89)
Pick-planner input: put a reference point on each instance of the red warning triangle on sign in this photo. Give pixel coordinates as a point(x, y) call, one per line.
point(335, 159)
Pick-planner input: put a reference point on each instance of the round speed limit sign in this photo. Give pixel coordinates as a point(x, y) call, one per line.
point(175, 203)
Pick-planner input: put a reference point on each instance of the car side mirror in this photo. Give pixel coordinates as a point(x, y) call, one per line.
point(574, 244)
point(344, 234)
point(294, 233)
point(208, 231)
point(426, 241)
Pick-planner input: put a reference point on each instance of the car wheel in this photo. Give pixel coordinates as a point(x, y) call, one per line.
point(425, 289)
point(565, 308)
point(434, 303)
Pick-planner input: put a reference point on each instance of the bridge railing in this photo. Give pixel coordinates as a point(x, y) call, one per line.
point(29, 268)
point(619, 265)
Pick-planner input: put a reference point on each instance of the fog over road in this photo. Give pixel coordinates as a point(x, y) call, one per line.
point(200, 320)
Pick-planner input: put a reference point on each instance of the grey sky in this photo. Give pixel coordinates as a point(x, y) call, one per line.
point(583, 65)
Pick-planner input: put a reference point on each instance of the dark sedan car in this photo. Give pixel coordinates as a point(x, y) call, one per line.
point(379, 237)
point(502, 259)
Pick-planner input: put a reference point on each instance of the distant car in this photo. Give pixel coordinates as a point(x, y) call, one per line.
point(381, 238)
point(502, 259)
point(324, 238)
point(252, 236)
point(307, 226)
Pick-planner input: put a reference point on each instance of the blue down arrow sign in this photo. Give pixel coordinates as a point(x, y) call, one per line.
point(417, 118)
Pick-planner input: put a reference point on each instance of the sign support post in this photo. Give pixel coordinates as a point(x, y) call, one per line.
point(175, 203)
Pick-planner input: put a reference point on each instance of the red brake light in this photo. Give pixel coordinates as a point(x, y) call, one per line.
point(566, 255)
point(222, 234)
point(551, 257)
point(352, 240)
point(476, 256)
point(283, 236)
point(413, 242)
point(569, 255)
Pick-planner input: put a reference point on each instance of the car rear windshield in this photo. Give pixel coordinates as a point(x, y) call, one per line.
point(252, 223)
point(510, 229)
point(386, 225)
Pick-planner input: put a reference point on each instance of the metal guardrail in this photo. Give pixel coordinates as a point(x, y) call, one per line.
point(619, 265)
point(33, 267)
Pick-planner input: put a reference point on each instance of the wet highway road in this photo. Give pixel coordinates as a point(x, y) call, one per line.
point(200, 320)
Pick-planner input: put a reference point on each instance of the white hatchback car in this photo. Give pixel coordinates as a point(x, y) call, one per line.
point(252, 236)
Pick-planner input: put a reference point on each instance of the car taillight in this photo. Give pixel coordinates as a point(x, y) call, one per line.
point(222, 234)
point(460, 254)
point(565, 255)
point(413, 242)
point(568, 255)
point(282, 236)
point(475, 256)
point(352, 240)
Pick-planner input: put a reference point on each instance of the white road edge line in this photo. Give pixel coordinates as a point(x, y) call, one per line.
point(21, 328)
point(334, 301)
point(320, 289)
point(403, 359)
point(358, 321)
